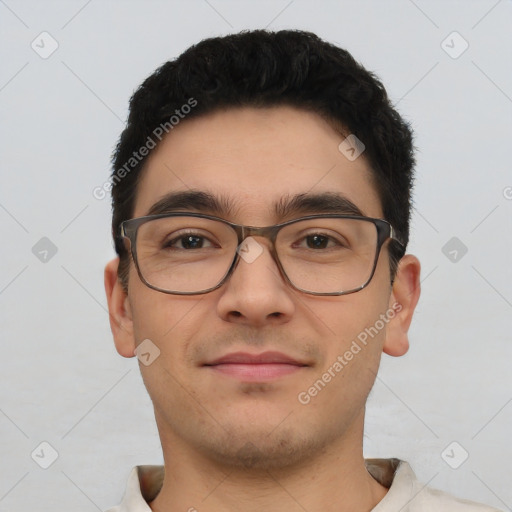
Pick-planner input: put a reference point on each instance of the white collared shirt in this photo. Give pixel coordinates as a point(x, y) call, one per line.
point(405, 493)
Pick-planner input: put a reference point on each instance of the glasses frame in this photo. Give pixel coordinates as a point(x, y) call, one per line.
point(129, 228)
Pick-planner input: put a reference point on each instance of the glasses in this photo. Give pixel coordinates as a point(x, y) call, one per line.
point(192, 253)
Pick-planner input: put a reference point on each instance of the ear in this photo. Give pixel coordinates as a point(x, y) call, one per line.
point(119, 310)
point(403, 299)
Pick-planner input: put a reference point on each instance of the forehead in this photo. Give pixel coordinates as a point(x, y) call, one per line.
point(252, 158)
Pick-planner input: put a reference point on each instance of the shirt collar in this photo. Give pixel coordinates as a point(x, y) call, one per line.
point(145, 482)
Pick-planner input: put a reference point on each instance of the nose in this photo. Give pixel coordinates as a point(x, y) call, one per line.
point(256, 293)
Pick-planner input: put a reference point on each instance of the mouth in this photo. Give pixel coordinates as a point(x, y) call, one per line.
point(256, 367)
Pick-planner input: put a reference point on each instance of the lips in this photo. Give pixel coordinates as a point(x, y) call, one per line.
point(263, 358)
point(256, 367)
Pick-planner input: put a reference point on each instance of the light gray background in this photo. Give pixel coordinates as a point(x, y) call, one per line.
point(63, 382)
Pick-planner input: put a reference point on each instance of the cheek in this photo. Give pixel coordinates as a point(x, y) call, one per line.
point(169, 321)
point(339, 387)
point(171, 324)
point(357, 328)
point(346, 318)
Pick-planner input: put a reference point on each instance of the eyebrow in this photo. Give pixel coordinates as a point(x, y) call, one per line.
point(287, 206)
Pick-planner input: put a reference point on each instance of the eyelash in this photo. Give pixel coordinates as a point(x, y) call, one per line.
point(170, 243)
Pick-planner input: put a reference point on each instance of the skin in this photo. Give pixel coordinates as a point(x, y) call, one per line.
point(232, 445)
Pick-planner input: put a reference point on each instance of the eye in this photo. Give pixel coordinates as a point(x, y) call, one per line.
point(187, 241)
point(318, 241)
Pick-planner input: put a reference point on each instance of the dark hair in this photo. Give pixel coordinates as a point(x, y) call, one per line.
point(259, 68)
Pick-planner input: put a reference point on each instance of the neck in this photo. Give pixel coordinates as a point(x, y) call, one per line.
point(334, 480)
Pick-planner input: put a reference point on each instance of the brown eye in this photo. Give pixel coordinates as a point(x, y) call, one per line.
point(317, 242)
point(186, 241)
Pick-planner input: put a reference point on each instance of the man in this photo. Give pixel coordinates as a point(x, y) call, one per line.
point(261, 205)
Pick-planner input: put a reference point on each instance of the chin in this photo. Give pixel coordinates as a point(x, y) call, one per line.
point(263, 448)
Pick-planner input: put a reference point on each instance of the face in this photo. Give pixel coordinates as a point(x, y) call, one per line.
point(271, 414)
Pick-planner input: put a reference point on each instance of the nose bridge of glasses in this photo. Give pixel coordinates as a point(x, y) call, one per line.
point(265, 234)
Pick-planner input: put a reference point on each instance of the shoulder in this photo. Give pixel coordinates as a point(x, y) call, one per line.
point(433, 499)
point(427, 499)
point(408, 494)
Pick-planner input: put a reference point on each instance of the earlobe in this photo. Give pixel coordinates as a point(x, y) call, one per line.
point(403, 299)
point(120, 315)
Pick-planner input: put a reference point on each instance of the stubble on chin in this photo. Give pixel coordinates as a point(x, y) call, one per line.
point(278, 450)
